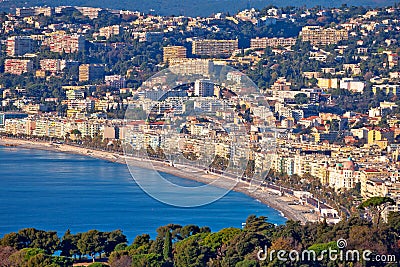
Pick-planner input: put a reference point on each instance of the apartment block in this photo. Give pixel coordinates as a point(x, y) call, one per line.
point(101, 104)
point(214, 47)
point(52, 65)
point(328, 83)
point(393, 60)
point(34, 11)
point(110, 31)
point(20, 126)
point(173, 52)
point(19, 45)
point(18, 66)
point(317, 35)
point(65, 43)
point(203, 88)
point(88, 128)
point(90, 72)
point(50, 128)
point(373, 187)
point(192, 66)
point(380, 137)
point(265, 42)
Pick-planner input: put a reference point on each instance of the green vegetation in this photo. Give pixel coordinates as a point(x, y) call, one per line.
point(377, 205)
point(32, 247)
point(190, 245)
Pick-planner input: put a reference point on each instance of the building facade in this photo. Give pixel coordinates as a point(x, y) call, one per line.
point(173, 52)
point(90, 72)
point(19, 45)
point(317, 35)
point(203, 88)
point(265, 42)
point(214, 47)
point(18, 66)
point(65, 43)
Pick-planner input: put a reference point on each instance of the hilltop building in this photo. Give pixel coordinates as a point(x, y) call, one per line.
point(214, 47)
point(317, 35)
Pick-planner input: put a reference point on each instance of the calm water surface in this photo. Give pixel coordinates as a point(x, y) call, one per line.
point(57, 191)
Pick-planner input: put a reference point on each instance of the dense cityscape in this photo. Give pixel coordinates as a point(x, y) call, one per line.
point(303, 101)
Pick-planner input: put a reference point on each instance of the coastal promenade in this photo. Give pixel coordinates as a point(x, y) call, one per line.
point(286, 204)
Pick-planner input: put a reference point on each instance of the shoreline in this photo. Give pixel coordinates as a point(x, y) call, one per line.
point(264, 195)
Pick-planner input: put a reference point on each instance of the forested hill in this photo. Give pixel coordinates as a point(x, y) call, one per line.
point(188, 7)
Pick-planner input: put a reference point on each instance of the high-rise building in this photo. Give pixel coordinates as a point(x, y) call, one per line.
point(173, 52)
point(203, 88)
point(214, 47)
point(52, 65)
point(66, 43)
point(317, 35)
point(18, 66)
point(90, 72)
point(19, 45)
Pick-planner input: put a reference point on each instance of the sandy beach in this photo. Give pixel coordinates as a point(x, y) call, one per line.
point(285, 204)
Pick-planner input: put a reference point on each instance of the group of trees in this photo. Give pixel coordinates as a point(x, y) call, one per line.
point(191, 245)
point(32, 242)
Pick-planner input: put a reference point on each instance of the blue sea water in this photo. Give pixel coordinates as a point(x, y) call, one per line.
point(57, 191)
